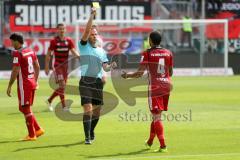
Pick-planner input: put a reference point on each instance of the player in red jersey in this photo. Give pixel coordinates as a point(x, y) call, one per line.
point(59, 48)
point(25, 70)
point(159, 64)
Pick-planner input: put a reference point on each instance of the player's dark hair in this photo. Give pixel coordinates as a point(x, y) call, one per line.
point(155, 37)
point(17, 37)
point(60, 25)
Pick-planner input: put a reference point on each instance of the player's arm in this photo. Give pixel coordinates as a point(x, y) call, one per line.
point(171, 66)
point(14, 74)
point(36, 67)
point(75, 53)
point(47, 60)
point(137, 74)
point(107, 67)
point(89, 25)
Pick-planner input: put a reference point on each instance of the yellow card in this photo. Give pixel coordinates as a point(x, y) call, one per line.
point(96, 4)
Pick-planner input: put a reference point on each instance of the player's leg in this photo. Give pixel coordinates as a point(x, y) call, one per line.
point(53, 95)
point(161, 104)
point(24, 107)
point(56, 92)
point(86, 102)
point(87, 108)
point(159, 129)
point(152, 135)
point(28, 115)
point(61, 90)
point(95, 119)
point(58, 78)
point(97, 104)
point(39, 131)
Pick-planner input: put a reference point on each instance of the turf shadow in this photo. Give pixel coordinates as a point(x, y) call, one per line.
point(42, 111)
point(120, 154)
point(4, 142)
point(50, 146)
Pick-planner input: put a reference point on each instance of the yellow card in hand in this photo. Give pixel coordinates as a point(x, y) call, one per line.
point(96, 5)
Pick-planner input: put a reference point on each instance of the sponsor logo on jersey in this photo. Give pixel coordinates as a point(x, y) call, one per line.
point(62, 49)
point(15, 60)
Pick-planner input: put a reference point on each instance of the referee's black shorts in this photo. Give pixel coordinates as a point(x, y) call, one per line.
point(91, 90)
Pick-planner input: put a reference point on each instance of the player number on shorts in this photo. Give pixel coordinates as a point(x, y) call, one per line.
point(161, 66)
point(30, 65)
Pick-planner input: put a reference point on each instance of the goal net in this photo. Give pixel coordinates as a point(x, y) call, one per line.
point(200, 47)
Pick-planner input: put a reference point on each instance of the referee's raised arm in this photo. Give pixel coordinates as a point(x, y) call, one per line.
point(89, 25)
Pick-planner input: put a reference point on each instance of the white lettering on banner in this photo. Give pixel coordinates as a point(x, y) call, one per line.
point(138, 12)
point(225, 6)
point(36, 18)
point(111, 12)
point(80, 12)
point(50, 15)
point(22, 19)
point(124, 12)
point(64, 11)
point(230, 6)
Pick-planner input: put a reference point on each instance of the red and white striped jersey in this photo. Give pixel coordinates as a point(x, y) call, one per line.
point(60, 50)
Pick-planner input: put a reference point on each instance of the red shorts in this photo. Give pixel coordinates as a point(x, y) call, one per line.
point(25, 96)
point(158, 104)
point(60, 73)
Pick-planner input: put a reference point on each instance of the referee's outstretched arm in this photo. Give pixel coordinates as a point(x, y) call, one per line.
point(89, 25)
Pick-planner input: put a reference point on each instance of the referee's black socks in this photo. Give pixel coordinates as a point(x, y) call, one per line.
point(94, 124)
point(87, 125)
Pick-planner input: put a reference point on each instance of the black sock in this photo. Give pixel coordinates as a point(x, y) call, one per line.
point(94, 124)
point(87, 125)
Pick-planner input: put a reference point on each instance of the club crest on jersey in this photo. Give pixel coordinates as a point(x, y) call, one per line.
point(66, 42)
point(15, 60)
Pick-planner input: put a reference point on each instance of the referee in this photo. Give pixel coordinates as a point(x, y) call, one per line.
point(92, 60)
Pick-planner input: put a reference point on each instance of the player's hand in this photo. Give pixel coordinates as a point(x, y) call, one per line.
point(37, 85)
point(46, 71)
point(113, 65)
point(9, 91)
point(124, 75)
point(93, 11)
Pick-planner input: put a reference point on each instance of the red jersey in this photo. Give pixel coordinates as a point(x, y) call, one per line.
point(60, 50)
point(24, 58)
point(158, 61)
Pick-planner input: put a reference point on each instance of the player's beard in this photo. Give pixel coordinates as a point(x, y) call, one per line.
point(93, 43)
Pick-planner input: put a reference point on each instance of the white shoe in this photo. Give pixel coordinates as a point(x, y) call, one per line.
point(66, 109)
point(50, 107)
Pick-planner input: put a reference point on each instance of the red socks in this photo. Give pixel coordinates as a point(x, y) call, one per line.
point(62, 97)
point(59, 92)
point(35, 124)
point(152, 134)
point(30, 124)
point(158, 126)
point(55, 94)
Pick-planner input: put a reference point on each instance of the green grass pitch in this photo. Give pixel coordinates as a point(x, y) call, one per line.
point(203, 122)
